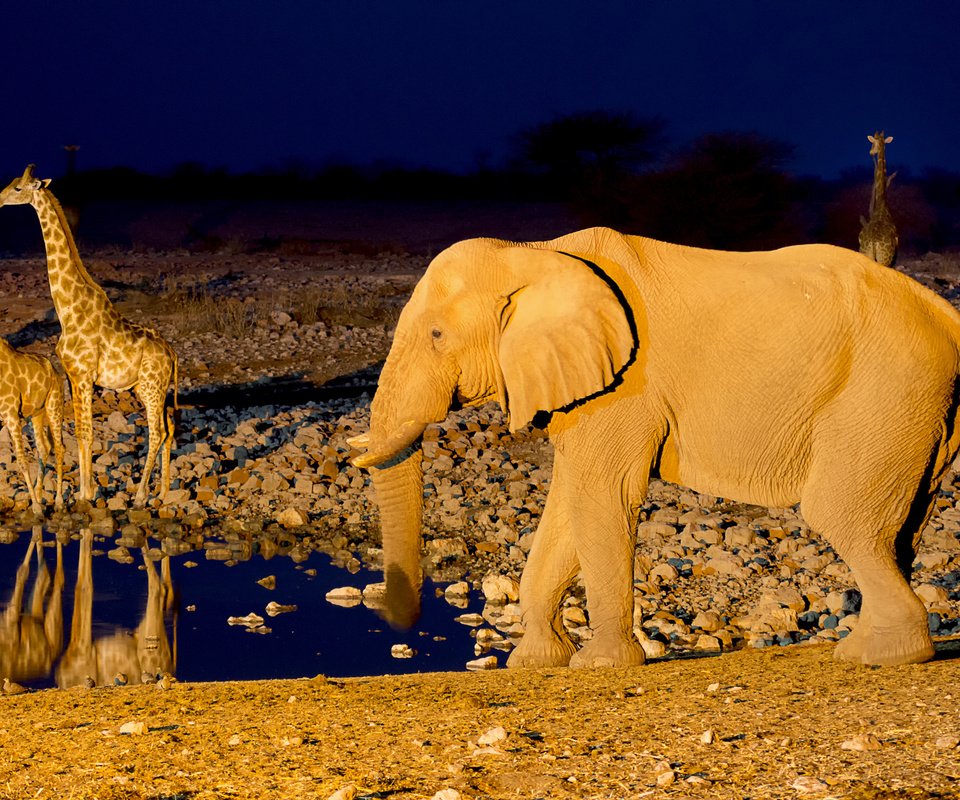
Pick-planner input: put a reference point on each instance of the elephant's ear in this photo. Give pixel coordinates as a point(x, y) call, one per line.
point(564, 333)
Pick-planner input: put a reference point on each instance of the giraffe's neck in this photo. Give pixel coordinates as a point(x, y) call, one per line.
point(878, 199)
point(69, 279)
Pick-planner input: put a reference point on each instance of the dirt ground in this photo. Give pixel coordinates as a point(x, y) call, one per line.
point(779, 722)
point(785, 722)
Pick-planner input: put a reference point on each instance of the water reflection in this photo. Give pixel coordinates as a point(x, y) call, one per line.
point(31, 638)
point(32, 635)
point(121, 655)
point(83, 608)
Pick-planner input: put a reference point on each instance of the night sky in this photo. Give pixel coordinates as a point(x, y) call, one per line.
point(249, 84)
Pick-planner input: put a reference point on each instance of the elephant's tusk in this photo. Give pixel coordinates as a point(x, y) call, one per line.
point(384, 450)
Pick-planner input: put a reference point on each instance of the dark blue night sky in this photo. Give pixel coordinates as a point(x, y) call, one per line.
point(247, 84)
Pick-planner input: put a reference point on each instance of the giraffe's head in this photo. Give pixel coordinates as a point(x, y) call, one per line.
point(877, 141)
point(23, 189)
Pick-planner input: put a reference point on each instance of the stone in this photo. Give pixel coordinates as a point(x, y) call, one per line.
point(931, 594)
point(947, 742)
point(492, 736)
point(500, 588)
point(348, 792)
point(487, 662)
point(861, 743)
point(344, 596)
point(269, 582)
point(133, 728)
point(708, 621)
point(402, 651)
point(292, 518)
point(274, 609)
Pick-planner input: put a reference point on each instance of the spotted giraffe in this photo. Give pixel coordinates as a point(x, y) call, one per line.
point(878, 234)
point(30, 388)
point(97, 346)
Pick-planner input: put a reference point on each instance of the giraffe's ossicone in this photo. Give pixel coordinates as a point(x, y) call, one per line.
point(97, 346)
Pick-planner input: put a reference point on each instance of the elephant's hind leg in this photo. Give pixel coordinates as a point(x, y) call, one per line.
point(873, 519)
point(551, 568)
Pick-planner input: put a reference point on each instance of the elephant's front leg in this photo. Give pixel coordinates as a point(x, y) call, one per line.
point(604, 524)
point(551, 568)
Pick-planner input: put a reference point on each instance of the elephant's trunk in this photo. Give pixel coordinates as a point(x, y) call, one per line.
point(399, 490)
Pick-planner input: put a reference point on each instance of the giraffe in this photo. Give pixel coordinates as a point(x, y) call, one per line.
point(878, 234)
point(97, 346)
point(30, 388)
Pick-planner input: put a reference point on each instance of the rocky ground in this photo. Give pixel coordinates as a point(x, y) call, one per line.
point(278, 357)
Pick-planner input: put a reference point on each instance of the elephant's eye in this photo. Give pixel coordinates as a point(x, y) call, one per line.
point(436, 333)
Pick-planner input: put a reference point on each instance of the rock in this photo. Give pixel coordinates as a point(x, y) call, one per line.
point(270, 582)
point(234, 740)
point(500, 589)
point(708, 621)
point(947, 742)
point(664, 773)
point(292, 518)
point(847, 601)
point(273, 609)
point(12, 687)
point(348, 792)
point(492, 736)
point(487, 662)
point(344, 596)
point(473, 620)
point(931, 594)
point(808, 785)
point(402, 651)
point(251, 620)
point(706, 737)
point(651, 647)
point(707, 644)
point(133, 728)
point(665, 573)
point(447, 794)
point(861, 743)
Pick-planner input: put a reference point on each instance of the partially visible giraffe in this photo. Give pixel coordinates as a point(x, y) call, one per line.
point(30, 388)
point(878, 234)
point(98, 346)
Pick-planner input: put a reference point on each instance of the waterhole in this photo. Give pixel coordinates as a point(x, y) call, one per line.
point(72, 615)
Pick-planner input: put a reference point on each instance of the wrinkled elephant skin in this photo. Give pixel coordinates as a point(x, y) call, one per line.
point(805, 375)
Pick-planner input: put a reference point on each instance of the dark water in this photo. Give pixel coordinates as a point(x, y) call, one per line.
point(95, 616)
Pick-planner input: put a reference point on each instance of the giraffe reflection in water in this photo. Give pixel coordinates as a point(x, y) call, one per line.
point(31, 637)
point(32, 640)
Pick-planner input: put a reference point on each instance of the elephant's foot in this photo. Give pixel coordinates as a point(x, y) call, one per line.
point(622, 651)
point(542, 650)
point(885, 647)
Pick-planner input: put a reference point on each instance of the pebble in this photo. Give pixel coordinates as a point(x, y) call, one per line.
point(492, 736)
point(345, 596)
point(348, 792)
point(861, 743)
point(402, 651)
point(947, 742)
point(133, 728)
point(447, 794)
point(487, 662)
point(273, 609)
point(808, 785)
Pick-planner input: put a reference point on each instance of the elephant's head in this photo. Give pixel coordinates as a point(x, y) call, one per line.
point(534, 328)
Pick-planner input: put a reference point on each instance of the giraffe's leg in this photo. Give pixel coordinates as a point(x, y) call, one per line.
point(83, 426)
point(165, 453)
point(156, 435)
point(16, 436)
point(40, 437)
point(54, 409)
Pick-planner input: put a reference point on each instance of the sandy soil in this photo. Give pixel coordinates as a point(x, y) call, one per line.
point(785, 722)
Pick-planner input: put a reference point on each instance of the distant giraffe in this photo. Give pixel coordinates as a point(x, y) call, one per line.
point(878, 235)
point(98, 346)
point(30, 388)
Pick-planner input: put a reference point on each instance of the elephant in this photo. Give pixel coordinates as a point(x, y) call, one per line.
point(805, 375)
